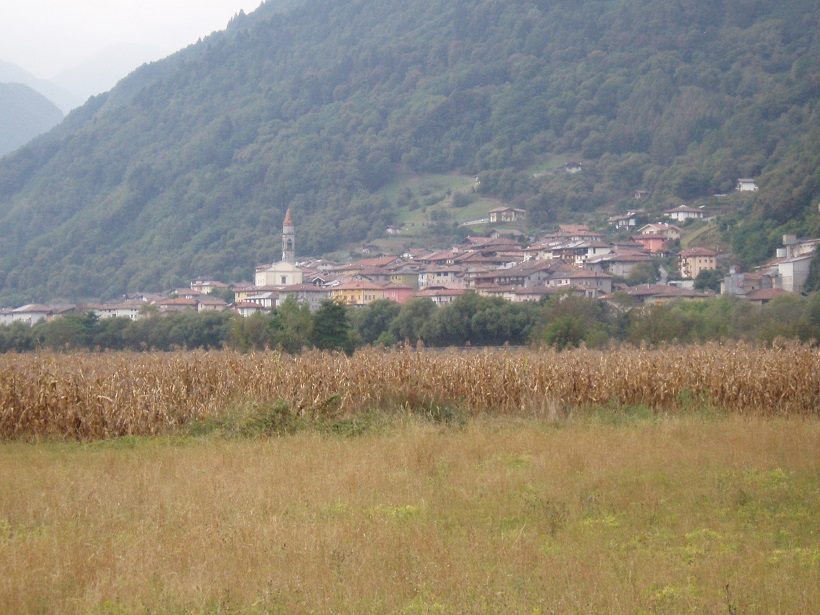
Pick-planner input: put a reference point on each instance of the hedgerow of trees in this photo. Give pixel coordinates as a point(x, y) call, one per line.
point(471, 320)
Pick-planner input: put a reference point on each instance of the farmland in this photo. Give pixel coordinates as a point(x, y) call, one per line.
point(88, 396)
point(681, 479)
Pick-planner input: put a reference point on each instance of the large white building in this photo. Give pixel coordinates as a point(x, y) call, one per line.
point(284, 272)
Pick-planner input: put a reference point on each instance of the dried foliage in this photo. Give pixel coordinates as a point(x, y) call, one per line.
point(88, 396)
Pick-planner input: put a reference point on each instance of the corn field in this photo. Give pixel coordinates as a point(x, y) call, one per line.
point(88, 396)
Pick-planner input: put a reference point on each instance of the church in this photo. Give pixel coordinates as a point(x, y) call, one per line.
point(284, 272)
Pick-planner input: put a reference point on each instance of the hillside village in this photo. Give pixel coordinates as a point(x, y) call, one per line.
point(646, 268)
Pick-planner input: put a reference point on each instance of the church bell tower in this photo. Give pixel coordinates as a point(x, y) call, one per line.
point(288, 239)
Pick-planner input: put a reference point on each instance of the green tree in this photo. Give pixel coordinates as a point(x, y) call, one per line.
point(331, 329)
point(709, 279)
point(412, 316)
point(292, 324)
point(372, 321)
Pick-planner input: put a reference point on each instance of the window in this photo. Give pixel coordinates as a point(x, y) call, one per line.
point(284, 279)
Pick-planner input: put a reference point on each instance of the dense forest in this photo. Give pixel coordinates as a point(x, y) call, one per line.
point(187, 166)
point(24, 114)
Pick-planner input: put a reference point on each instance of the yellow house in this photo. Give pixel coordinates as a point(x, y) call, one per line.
point(357, 292)
point(405, 277)
point(695, 260)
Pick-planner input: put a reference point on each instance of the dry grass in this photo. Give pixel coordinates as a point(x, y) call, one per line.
point(87, 396)
point(502, 515)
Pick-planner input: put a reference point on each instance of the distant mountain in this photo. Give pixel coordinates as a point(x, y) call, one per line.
point(24, 114)
point(187, 166)
point(63, 98)
point(101, 72)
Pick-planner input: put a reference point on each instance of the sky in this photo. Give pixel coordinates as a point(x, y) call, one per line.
point(46, 37)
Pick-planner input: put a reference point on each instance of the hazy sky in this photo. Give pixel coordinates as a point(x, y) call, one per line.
point(47, 36)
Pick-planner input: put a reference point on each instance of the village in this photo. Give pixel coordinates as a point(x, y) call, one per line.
point(503, 262)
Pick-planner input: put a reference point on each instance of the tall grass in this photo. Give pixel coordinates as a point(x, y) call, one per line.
point(88, 396)
point(500, 516)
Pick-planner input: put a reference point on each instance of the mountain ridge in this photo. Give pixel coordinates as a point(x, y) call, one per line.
point(24, 114)
point(188, 165)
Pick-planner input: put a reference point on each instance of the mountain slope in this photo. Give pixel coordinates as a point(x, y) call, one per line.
point(24, 114)
point(187, 166)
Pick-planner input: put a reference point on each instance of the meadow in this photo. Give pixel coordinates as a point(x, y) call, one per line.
point(594, 514)
point(683, 479)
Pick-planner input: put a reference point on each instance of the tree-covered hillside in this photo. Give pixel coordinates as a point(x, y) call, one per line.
point(187, 166)
point(24, 114)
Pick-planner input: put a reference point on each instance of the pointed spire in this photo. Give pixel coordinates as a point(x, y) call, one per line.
point(288, 219)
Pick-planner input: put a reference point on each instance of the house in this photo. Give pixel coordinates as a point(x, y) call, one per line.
point(618, 263)
point(506, 214)
point(793, 272)
point(241, 293)
point(624, 221)
point(6, 317)
point(682, 213)
point(744, 184)
point(441, 295)
point(657, 228)
point(206, 286)
point(694, 260)
point(211, 304)
point(742, 284)
point(309, 294)
point(247, 308)
point(506, 233)
point(131, 310)
point(167, 306)
point(640, 195)
point(393, 230)
point(406, 275)
point(31, 314)
point(573, 167)
point(399, 294)
point(187, 293)
point(266, 300)
point(762, 296)
point(654, 244)
point(357, 292)
point(378, 275)
point(583, 278)
point(530, 293)
point(449, 276)
point(657, 293)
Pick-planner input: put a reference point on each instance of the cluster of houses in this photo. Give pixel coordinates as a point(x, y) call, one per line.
point(574, 260)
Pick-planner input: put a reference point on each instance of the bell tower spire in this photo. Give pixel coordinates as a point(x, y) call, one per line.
point(288, 239)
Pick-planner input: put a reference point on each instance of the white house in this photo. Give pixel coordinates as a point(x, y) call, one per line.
point(744, 184)
point(31, 314)
point(282, 273)
point(128, 309)
point(682, 213)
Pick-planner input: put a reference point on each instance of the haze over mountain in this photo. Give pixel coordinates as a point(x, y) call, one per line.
point(101, 72)
point(62, 98)
point(24, 114)
point(187, 166)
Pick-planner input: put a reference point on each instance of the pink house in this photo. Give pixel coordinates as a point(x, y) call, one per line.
point(399, 294)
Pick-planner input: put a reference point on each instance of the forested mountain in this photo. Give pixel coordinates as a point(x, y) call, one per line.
point(187, 166)
point(24, 114)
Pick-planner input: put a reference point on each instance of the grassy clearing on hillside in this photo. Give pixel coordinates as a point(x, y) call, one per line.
point(612, 513)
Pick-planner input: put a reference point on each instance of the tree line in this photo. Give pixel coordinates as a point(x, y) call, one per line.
point(471, 320)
